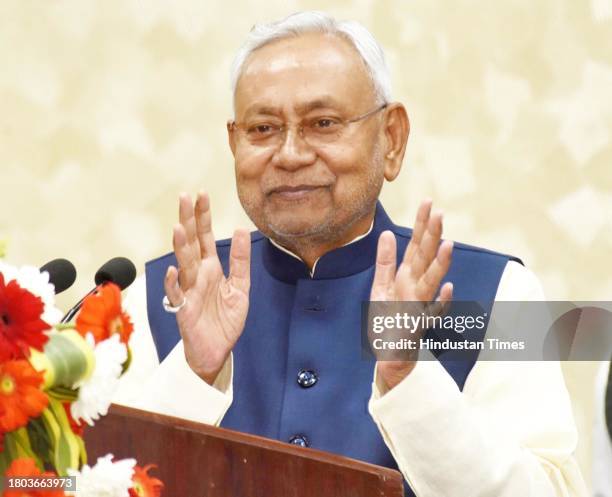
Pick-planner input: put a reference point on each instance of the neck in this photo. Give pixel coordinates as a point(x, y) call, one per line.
point(309, 250)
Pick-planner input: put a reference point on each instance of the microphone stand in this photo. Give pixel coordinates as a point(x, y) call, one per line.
point(77, 307)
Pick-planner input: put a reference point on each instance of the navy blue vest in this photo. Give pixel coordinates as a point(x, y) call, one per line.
point(301, 323)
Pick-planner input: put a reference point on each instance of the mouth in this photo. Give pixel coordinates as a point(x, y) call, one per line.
point(298, 192)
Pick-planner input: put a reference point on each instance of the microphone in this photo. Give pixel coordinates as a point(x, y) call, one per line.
point(119, 270)
point(62, 274)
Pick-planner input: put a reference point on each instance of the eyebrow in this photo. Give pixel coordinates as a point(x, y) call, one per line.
point(319, 103)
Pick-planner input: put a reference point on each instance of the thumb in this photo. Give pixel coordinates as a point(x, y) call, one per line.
point(384, 273)
point(240, 260)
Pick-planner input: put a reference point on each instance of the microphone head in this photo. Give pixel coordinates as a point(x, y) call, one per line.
point(62, 274)
point(119, 270)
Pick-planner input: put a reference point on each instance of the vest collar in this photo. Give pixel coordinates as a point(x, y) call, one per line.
point(344, 261)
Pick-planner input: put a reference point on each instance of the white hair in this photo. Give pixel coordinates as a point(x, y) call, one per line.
point(319, 22)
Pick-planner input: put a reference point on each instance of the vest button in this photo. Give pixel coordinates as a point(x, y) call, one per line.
point(307, 378)
point(300, 440)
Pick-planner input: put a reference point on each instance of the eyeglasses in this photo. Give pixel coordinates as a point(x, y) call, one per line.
point(315, 131)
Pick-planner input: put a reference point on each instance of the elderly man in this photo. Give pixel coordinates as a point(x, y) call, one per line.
point(262, 333)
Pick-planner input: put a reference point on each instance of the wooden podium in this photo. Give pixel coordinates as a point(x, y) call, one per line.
point(197, 460)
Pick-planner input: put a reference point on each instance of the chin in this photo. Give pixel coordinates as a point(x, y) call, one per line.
point(295, 229)
point(298, 221)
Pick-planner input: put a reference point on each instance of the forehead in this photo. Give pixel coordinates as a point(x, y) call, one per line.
point(291, 73)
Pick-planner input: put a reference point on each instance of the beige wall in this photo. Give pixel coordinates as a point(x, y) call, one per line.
point(109, 109)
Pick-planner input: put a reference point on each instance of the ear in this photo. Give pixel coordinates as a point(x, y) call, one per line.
point(397, 128)
point(231, 136)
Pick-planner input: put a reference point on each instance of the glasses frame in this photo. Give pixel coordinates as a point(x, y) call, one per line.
point(283, 129)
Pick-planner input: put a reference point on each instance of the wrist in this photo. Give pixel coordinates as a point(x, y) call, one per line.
point(206, 372)
point(392, 373)
point(208, 375)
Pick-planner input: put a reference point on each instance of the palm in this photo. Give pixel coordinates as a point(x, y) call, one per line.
point(417, 279)
point(216, 307)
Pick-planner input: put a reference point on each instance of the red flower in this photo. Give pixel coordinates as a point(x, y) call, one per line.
point(26, 466)
point(20, 323)
point(77, 428)
point(102, 315)
point(145, 485)
point(20, 395)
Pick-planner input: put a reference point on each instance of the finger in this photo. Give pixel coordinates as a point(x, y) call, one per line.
point(441, 305)
point(173, 290)
point(420, 225)
point(426, 251)
point(208, 248)
point(187, 219)
point(187, 261)
point(240, 260)
point(384, 273)
point(445, 298)
point(446, 293)
point(428, 284)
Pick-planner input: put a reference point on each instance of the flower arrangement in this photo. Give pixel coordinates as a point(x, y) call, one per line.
point(56, 379)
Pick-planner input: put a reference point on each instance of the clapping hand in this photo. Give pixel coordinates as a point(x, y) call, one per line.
point(425, 263)
point(214, 308)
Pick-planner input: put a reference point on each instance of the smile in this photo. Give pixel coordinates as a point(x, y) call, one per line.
point(298, 192)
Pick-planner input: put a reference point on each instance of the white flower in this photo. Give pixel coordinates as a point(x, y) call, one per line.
point(31, 279)
point(96, 391)
point(105, 479)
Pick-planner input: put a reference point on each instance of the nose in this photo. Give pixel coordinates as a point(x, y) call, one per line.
point(294, 152)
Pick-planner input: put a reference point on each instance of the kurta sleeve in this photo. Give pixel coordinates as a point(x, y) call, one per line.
point(171, 387)
point(510, 432)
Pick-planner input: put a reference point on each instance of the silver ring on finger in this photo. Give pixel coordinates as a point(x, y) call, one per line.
point(172, 309)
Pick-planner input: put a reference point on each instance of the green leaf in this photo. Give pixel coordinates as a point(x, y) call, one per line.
point(53, 431)
point(64, 326)
point(128, 361)
point(41, 443)
point(5, 461)
point(17, 445)
point(65, 449)
point(82, 451)
point(22, 442)
point(67, 360)
point(63, 394)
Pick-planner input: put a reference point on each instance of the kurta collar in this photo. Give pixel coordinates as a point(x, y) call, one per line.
point(338, 263)
point(314, 266)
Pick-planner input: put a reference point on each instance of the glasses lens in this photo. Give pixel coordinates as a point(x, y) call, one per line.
point(322, 130)
point(262, 133)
